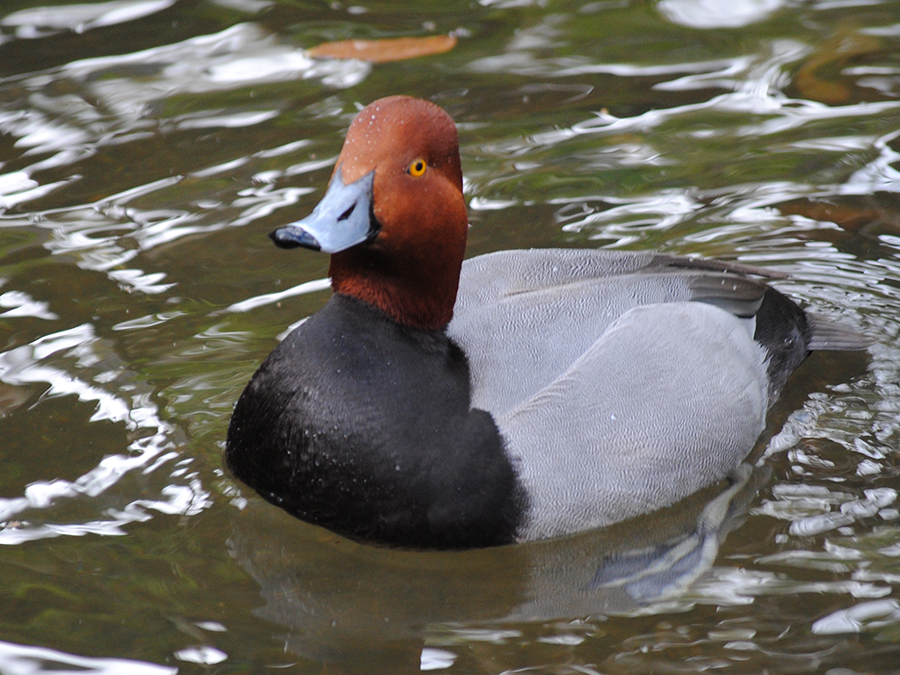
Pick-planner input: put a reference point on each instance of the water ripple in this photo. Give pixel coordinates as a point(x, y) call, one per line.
point(22, 659)
point(38, 21)
point(103, 381)
point(866, 615)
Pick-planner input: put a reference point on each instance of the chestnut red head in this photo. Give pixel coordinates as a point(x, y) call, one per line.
point(394, 217)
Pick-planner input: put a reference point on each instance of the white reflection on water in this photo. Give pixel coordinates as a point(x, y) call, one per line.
point(118, 105)
point(436, 659)
point(37, 21)
point(879, 174)
point(271, 298)
point(24, 660)
point(814, 509)
point(122, 92)
point(20, 303)
point(718, 13)
point(658, 211)
point(220, 118)
point(17, 187)
point(735, 586)
point(76, 362)
point(865, 615)
point(203, 655)
point(753, 90)
point(237, 56)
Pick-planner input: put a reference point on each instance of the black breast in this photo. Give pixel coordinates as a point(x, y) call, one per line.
point(363, 426)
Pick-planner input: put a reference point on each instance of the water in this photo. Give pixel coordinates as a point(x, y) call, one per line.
point(148, 146)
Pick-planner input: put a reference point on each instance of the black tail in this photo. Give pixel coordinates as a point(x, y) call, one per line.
point(789, 334)
point(834, 337)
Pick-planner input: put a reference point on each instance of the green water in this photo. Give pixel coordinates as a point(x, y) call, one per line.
point(148, 146)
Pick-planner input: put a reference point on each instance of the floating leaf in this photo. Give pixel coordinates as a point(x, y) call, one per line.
point(823, 76)
point(851, 213)
point(382, 51)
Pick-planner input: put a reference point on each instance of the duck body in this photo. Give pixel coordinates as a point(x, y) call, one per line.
point(572, 389)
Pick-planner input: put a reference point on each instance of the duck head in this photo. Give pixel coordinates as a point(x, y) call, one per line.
point(393, 218)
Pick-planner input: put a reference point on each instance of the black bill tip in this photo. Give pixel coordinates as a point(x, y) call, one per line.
point(294, 237)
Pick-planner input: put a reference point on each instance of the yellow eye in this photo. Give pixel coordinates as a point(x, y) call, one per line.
point(417, 167)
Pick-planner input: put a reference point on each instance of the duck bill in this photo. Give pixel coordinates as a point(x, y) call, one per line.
point(342, 219)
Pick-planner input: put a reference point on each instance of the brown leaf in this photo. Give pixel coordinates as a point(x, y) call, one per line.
point(822, 76)
point(853, 214)
point(382, 51)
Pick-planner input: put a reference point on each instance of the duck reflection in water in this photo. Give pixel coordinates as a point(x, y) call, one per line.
point(374, 609)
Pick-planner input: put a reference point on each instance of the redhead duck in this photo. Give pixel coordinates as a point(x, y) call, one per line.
point(433, 403)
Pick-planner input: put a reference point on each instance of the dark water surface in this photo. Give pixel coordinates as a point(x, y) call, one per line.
point(148, 146)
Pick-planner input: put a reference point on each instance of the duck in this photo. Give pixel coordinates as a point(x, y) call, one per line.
point(441, 403)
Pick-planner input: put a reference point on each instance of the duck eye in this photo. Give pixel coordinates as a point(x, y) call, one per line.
point(417, 168)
